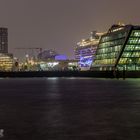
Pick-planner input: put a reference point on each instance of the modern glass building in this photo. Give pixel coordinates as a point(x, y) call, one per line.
point(119, 49)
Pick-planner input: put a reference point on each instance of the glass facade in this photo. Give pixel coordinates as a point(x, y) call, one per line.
point(130, 58)
point(119, 49)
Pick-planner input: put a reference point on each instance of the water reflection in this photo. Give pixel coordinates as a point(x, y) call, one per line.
point(68, 109)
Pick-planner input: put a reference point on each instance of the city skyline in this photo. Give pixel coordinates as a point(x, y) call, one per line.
point(61, 24)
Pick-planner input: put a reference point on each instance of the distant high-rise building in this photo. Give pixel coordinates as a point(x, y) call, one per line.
point(3, 40)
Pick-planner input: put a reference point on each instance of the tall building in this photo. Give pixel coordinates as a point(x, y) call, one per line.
point(85, 50)
point(3, 40)
point(119, 49)
point(6, 59)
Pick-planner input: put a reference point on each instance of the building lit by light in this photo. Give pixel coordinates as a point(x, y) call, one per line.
point(85, 50)
point(6, 62)
point(119, 49)
point(58, 65)
point(6, 59)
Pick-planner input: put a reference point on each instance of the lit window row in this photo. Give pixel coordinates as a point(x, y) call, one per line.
point(123, 60)
point(113, 37)
point(110, 49)
point(109, 55)
point(135, 33)
point(105, 62)
point(132, 47)
point(111, 43)
point(134, 41)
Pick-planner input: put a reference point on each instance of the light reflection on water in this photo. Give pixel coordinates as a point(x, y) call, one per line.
point(70, 108)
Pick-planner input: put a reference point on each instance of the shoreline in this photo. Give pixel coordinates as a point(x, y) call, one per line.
point(94, 74)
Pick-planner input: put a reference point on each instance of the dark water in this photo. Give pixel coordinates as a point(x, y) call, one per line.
point(70, 109)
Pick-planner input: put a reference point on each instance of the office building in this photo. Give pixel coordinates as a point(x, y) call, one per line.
point(6, 59)
point(119, 49)
point(3, 40)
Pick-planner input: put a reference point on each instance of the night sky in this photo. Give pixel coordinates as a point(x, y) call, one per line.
point(60, 24)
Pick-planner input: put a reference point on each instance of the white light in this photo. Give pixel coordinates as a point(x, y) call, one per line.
point(26, 55)
point(52, 64)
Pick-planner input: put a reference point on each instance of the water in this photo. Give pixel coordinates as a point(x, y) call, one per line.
point(70, 109)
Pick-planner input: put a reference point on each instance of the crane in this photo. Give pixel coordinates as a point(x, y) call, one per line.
point(40, 49)
point(30, 49)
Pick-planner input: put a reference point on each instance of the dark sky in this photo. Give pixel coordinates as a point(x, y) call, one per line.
point(60, 24)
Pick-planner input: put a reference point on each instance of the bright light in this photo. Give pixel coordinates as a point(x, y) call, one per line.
point(52, 64)
point(27, 56)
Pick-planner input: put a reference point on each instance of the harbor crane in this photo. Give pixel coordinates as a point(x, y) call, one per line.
point(31, 50)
